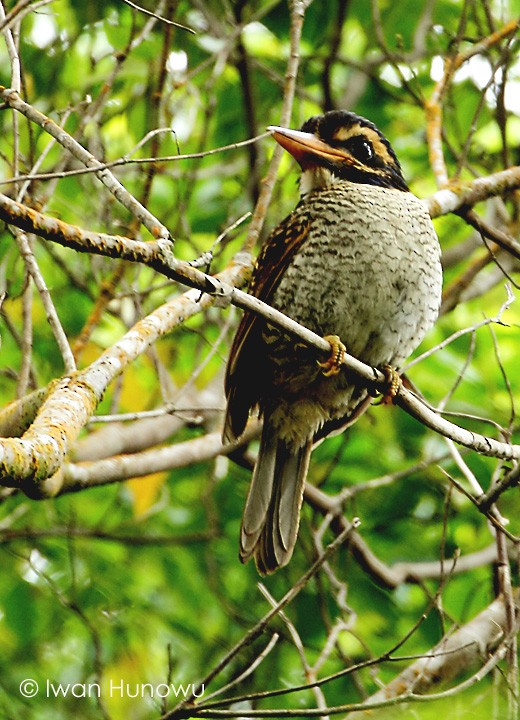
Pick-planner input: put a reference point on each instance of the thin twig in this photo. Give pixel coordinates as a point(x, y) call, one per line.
point(259, 627)
point(162, 19)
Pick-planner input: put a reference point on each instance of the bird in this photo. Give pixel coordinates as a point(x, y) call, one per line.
point(358, 262)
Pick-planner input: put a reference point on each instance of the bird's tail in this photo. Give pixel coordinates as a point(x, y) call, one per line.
point(272, 512)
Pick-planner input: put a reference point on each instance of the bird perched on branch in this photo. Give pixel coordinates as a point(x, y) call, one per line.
point(357, 261)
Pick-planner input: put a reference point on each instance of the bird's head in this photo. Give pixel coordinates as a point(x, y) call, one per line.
point(341, 145)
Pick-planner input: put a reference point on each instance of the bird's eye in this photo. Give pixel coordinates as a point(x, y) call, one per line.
point(361, 149)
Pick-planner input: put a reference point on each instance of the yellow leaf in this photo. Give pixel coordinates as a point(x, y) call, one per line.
point(145, 491)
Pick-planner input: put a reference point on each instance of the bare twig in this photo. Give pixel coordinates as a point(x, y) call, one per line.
point(259, 627)
point(12, 98)
point(162, 19)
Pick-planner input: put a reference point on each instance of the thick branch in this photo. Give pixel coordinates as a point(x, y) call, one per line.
point(79, 476)
point(29, 461)
point(465, 648)
point(451, 199)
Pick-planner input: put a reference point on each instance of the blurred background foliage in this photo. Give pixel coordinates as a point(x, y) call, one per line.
point(140, 580)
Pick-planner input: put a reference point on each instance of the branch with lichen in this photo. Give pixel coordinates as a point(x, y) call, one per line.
point(32, 461)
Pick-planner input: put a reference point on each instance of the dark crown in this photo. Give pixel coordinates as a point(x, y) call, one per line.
point(372, 159)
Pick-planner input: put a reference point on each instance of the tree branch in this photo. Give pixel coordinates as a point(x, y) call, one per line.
point(30, 461)
point(156, 228)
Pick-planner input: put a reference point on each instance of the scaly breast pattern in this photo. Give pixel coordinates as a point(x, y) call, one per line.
point(368, 271)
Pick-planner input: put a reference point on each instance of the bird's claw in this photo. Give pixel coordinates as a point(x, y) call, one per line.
point(332, 365)
point(393, 384)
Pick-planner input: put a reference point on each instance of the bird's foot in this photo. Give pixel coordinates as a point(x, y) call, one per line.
point(332, 365)
point(393, 384)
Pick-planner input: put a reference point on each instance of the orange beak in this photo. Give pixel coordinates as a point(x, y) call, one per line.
point(306, 148)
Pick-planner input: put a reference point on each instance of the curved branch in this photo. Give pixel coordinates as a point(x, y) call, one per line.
point(30, 461)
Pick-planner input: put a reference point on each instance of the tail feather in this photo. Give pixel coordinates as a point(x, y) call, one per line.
point(272, 512)
point(258, 498)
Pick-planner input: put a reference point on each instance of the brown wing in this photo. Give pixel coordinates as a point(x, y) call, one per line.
point(245, 370)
